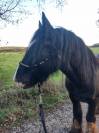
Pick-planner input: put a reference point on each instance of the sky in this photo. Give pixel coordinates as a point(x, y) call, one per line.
point(78, 16)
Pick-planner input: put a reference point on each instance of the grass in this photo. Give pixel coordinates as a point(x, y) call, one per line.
point(8, 63)
point(18, 104)
point(95, 50)
point(16, 108)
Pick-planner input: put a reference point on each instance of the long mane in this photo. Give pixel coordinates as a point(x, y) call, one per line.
point(77, 56)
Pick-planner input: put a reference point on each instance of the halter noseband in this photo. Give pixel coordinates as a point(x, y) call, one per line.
point(22, 64)
point(35, 65)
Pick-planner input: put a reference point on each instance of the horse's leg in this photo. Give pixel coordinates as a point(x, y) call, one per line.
point(77, 112)
point(77, 116)
point(90, 117)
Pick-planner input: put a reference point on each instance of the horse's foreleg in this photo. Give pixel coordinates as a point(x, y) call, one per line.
point(77, 116)
point(77, 112)
point(90, 117)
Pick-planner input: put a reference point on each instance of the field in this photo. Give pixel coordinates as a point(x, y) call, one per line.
point(8, 63)
point(95, 50)
point(18, 104)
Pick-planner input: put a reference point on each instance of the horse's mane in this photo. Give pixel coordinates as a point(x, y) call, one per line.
point(77, 55)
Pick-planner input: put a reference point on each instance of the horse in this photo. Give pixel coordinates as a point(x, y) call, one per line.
point(56, 48)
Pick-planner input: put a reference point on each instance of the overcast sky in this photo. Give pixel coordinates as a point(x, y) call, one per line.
point(78, 16)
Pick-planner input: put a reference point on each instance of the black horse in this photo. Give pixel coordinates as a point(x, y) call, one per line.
point(52, 49)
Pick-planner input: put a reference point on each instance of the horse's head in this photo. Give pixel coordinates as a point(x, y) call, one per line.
point(41, 57)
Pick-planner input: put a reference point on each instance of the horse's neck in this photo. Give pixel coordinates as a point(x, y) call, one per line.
point(78, 69)
point(69, 71)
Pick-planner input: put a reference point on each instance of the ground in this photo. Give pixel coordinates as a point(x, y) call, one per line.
point(57, 121)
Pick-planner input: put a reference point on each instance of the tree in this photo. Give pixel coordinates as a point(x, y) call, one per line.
point(7, 7)
point(10, 10)
point(58, 3)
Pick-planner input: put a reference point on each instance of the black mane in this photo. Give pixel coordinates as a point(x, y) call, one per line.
point(76, 55)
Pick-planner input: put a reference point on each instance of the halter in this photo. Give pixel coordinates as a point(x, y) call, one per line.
point(35, 65)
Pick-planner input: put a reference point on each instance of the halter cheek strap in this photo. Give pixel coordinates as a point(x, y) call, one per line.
point(35, 65)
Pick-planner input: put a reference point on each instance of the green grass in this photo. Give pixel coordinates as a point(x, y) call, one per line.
point(95, 50)
point(19, 105)
point(8, 63)
point(14, 108)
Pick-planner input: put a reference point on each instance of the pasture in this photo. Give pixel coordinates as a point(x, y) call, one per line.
point(17, 104)
point(95, 50)
point(8, 63)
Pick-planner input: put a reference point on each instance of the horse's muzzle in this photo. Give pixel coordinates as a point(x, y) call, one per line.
point(19, 85)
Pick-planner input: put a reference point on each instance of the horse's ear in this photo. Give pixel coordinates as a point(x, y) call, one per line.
point(40, 24)
point(45, 21)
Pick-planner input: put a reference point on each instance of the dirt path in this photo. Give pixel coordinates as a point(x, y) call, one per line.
point(58, 121)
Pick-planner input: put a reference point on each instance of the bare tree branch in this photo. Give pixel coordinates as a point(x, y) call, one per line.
point(15, 10)
point(9, 8)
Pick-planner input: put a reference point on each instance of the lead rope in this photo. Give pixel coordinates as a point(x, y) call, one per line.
point(41, 110)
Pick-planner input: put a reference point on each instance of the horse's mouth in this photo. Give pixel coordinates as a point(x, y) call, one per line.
point(27, 86)
point(22, 85)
